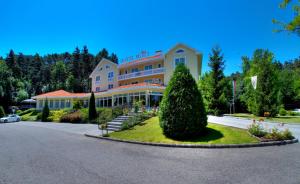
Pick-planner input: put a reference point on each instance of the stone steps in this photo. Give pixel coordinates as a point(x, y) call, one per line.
point(116, 124)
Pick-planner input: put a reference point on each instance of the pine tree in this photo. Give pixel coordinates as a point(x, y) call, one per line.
point(102, 54)
point(21, 62)
point(217, 103)
point(92, 108)
point(182, 113)
point(45, 112)
point(114, 58)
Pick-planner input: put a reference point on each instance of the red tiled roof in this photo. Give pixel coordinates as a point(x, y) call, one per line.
point(61, 93)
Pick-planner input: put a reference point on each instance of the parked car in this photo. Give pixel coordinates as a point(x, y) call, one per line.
point(10, 118)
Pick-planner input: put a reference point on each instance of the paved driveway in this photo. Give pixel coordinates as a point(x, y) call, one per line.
point(244, 123)
point(36, 154)
point(65, 127)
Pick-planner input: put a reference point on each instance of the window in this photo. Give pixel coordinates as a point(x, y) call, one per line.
point(56, 104)
point(134, 70)
point(107, 67)
point(98, 80)
point(41, 103)
point(110, 86)
point(97, 89)
point(68, 103)
point(179, 61)
point(179, 51)
point(100, 69)
point(148, 67)
point(110, 76)
point(148, 81)
point(51, 104)
point(62, 104)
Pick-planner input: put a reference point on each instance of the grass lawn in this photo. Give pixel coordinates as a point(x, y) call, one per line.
point(150, 131)
point(281, 119)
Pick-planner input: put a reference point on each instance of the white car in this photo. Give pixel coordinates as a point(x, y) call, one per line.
point(10, 118)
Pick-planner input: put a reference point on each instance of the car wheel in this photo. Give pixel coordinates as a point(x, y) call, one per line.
point(18, 119)
point(5, 121)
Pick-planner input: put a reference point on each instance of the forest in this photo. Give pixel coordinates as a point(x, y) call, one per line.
point(23, 76)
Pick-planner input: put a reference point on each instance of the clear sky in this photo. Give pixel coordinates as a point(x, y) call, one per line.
point(127, 27)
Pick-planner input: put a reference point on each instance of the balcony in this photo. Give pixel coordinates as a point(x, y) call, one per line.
point(143, 73)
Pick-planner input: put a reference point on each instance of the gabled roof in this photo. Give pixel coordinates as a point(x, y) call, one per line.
point(60, 93)
point(100, 63)
point(182, 45)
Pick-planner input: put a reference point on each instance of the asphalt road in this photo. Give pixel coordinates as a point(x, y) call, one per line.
point(31, 154)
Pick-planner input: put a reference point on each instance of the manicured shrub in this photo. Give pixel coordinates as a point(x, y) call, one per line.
point(282, 112)
point(74, 117)
point(45, 112)
point(2, 112)
point(26, 112)
point(77, 104)
point(182, 112)
point(105, 115)
point(92, 108)
point(117, 111)
point(55, 115)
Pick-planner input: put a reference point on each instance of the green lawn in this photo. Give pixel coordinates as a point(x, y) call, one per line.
point(150, 131)
point(282, 119)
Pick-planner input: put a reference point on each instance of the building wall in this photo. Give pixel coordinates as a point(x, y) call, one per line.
point(193, 61)
point(103, 73)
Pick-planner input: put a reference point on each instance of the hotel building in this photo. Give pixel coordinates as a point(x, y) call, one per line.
point(143, 78)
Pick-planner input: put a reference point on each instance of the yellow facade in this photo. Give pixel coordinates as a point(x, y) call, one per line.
point(142, 79)
point(102, 72)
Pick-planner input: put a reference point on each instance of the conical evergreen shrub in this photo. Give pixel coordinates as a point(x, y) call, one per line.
point(182, 113)
point(45, 112)
point(92, 108)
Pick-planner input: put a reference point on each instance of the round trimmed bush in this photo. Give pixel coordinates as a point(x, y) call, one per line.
point(182, 113)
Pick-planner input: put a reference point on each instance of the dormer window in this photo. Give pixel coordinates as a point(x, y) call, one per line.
point(179, 51)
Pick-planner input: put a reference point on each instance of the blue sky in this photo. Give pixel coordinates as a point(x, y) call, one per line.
point(127, 27)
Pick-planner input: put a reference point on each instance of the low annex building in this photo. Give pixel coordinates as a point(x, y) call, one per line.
point(141, 79)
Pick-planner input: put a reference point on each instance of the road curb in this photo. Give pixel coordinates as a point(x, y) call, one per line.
point(248, 145)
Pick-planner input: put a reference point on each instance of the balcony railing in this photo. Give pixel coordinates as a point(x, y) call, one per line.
point(141, 73)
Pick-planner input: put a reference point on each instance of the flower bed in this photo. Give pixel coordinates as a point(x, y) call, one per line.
point(275, 134)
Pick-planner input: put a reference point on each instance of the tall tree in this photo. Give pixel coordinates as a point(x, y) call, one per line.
point(293, 26)
point(114, 58)
point(6, 87)
point(266, 96)
point(59, 75)
point(216, 85)
point(102, 54)
point(12, 64)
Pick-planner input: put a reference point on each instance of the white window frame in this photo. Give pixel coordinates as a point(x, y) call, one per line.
point(110, 78)
point(179, 57)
